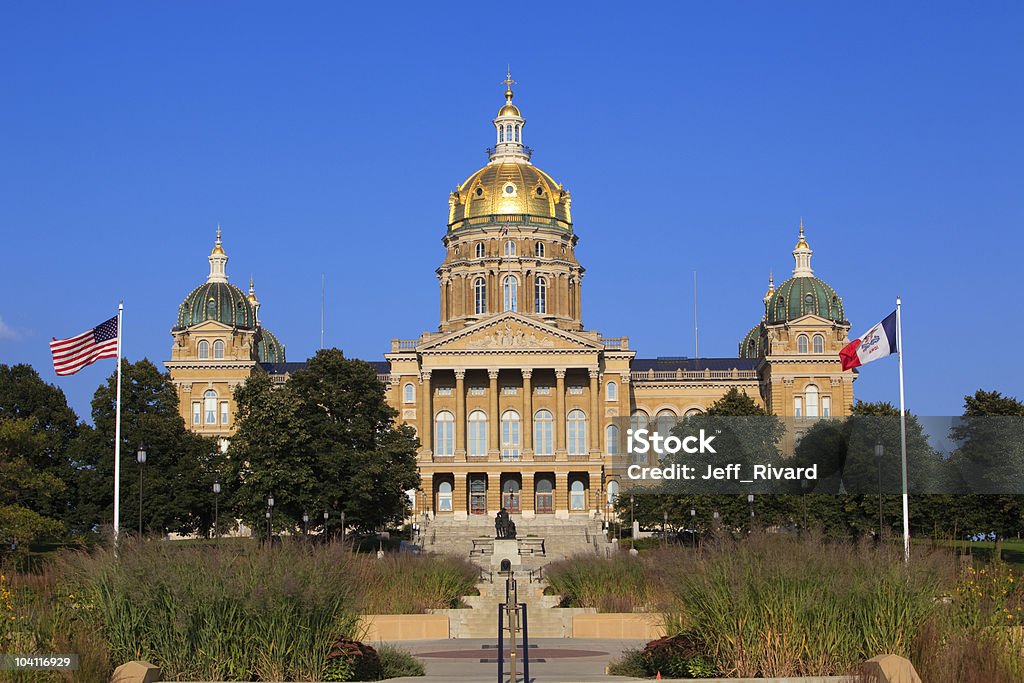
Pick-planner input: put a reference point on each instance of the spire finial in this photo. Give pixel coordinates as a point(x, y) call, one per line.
point(252, 288)
point(508, 83)
point(802, 254)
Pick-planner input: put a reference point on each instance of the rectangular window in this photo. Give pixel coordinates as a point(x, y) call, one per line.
point(798, 406)
point(576, 390)
point(444, 391)
point(476, 391)
point(197, 412)
point(826, 406)
point(509, 391)
point(223, 412)
point(543, 391)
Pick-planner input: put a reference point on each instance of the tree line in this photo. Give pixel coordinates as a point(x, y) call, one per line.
point(325, 441)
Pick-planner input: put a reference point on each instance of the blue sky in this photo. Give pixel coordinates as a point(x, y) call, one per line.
point(325, 137)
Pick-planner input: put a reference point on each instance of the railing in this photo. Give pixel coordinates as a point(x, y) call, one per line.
point(384, 377)
point(404, 344)
point(536, 575)
point(691, 375)
point(620, 343)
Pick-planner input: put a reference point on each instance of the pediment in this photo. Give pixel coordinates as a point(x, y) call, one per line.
point(210, 326)
point(510, 332)
point(811, 320)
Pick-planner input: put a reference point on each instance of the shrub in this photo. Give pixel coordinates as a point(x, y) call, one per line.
point(619, 584)
point(350, 660)
point(396, 663)
point(679, 656)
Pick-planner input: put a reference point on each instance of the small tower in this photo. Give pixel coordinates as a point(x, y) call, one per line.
point(508, 129)
point(802, 256)
point(218, 262)
point(253, 301)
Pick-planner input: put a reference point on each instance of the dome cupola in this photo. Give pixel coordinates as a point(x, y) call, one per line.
point(803, 294)
point(508, 127)
point(217, 299)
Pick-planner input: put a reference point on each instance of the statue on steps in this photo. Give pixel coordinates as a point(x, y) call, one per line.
point(503, 525)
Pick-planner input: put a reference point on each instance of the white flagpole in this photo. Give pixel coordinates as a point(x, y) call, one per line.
point(117, 432)
point(903, 436)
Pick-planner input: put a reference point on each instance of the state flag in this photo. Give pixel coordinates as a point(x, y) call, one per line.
point(878, 342)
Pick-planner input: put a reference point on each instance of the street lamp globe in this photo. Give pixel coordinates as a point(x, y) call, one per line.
point(140, 457)
point(216, 487)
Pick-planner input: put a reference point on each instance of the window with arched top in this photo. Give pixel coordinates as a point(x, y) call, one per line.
point(611, 440)
point(510, 287)
point(664, 421)
point(444, 497)
point(409, 393)
point(510, 435)
point(501, 133)
point(204, 349)
point(508, 131)
point(811, 400)
point(517, 133)
point(540, 295)
point(543, 433)
point(477, 444)
point(694, 411)
point(510, 248)
point(444, 433)
point(218, 349)
point(613, 493)
point(818, 343)
point(611, 391)
point(479, 249)
point(479, 296)
point(538, 250)
point(801, 344)
point(576, 431)
point(577, 496)
point(210, 406)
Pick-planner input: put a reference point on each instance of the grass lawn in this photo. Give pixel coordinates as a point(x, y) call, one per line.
point(1012, 550)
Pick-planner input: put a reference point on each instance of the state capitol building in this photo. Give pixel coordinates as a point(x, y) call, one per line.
point(514, 401)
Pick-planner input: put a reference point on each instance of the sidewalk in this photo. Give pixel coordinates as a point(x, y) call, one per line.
point(552, 660)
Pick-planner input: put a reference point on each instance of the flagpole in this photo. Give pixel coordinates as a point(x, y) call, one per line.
point(117, 432)
point(903, 436)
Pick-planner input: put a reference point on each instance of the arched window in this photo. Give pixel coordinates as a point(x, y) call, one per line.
point(210, 406)
point(694, 411)
point(409, 393)
point(511, 290)
point(218, 349)
point(811, 400)
point(508, 131)
point(819, 344)
point(501, 133)
point(444, 433)
point(538, 249)
point(477, 433)
point(801, 344)
point(510, 435)
point(611, 440)
point(666, 419)
point(577, 496)
point(510, 248)
point(479, 249)
point(544, 489)
point(639, 419)
point(611, 391)
point(517, 133)
point(540, 295)
point(543, 433)
point(613, 493)
point(577, 432)
point(444, 497)
point(204, 349)
point(479, 296)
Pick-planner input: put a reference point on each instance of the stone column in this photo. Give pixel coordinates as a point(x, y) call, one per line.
point(561, 494)
point(595, 416)
point(494, 420)
point(460, 413)
point(560, 411)
point(493, 492)
point(426, 415)
point(445, 289)
point(526, 496)
point(528, 413)
point(460, 495)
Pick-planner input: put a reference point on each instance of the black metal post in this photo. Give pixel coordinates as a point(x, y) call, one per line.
point(879, 454)
point(501, 642)
point(526, 645)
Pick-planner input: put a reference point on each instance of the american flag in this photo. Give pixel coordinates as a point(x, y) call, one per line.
point(71, 355)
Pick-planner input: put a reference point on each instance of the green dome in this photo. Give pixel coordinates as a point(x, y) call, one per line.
point(752, 345)
point(218, 301)
point(800, 296)
point(268, 348)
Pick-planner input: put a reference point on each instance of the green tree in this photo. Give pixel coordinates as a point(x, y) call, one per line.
point(326, 440)
point(28, 490)
point(180, 465)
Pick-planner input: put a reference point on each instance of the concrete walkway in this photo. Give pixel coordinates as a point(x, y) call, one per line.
point(552, 660)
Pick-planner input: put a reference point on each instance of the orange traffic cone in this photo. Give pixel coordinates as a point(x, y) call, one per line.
point(658, 677)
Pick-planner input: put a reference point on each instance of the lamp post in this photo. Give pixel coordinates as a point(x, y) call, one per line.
point(140, 457)
point(664, 527)
point(270, 517)
point(750, 502)
point(216, 508)
point(693, 527)
point(326, 517)
point(305, 524)
point(879, 454)
point(804, 485)
point(632, 525)
point(342, 527)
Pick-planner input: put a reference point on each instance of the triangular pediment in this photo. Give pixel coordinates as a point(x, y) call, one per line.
point(510, 332)
point(811, 320)
point(212, 326)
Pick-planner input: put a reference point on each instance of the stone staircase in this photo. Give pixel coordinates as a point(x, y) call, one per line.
point(563, 538)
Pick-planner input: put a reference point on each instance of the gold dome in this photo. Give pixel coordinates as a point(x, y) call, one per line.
point(217, 248)
point(509, 110)
point(503, 189)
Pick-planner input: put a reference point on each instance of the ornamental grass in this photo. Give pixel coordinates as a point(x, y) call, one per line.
point(229, 612)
